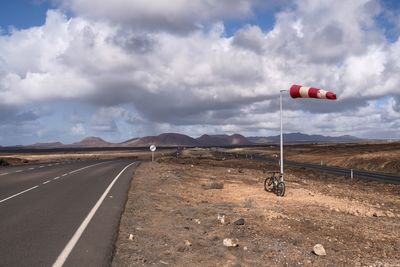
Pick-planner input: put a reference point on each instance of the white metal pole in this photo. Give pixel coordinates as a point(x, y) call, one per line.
point(281, 135)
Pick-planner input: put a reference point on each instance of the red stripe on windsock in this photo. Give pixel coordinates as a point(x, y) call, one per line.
point(313, 92)
point(295, 91)
point(331, 96)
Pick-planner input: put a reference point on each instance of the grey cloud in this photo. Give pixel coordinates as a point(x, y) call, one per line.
point(26, 116)
point(13, 115)
point(179, 17)
point(251, 38)
point(140, 43)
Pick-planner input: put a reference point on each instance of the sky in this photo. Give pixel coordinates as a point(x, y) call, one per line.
point(129, 68)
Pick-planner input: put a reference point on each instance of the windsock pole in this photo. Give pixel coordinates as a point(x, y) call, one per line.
point(281, 145)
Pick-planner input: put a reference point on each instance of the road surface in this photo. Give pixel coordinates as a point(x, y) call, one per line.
point(374, 176)
point(62, 214)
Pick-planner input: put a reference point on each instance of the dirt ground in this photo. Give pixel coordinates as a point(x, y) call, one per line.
point(173, 217)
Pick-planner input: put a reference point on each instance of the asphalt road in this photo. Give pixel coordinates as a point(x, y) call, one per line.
point(64, 214)
point(359, 174)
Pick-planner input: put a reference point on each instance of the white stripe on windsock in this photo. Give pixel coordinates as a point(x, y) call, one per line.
point(304, 91)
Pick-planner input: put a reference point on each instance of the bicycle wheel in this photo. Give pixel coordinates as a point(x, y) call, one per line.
point(280, 189)
point(269, 184)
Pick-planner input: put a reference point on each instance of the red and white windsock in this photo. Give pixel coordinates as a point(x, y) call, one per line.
point(310, 92)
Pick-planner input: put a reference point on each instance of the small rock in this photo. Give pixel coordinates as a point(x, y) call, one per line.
point(229, 170)
point(197, 221)
point(245, 248)
point(222, 218)
point(319, 250)
point(378, 214)
point(163, 262)
point(228, 242)
point(130, 237)
point(188, 243)
point(214, 185)
point(182, 249)
point(390, 214)
point(239, 222)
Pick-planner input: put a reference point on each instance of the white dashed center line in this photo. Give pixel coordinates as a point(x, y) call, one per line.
point(4, 174)
point(48, 181)
point(19, 171)
point(29, 189)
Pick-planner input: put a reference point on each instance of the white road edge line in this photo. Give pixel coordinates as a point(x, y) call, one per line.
point(72, 242)
point(55, 178)
point(29, 189)
point(48, 181)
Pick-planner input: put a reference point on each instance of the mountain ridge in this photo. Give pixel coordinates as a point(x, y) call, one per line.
point(177, 139)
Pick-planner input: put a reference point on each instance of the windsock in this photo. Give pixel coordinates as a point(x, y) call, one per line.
point(310, 92)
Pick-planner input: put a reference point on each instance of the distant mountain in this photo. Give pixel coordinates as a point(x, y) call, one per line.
point(223, 140)
point(259, 139)
point(166, 139)
point(47, 145)
point(91, 142)
point(130, 142)
point(300, 138)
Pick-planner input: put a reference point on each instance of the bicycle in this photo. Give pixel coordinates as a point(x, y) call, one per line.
point(275, 184)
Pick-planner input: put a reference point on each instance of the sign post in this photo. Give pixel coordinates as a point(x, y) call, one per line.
point(153, 148)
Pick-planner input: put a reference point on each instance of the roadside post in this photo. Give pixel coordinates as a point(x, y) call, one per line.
point(153, 148)
point(351, 174)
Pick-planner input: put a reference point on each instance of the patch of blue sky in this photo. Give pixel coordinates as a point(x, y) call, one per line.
point(389, 19)
point(263, 18)
point(382, 102)
point(22, 14)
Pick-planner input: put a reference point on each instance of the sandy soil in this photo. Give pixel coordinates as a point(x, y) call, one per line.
point(171, 217)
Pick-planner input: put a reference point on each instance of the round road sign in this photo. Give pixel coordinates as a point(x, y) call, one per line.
point(153, 148)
